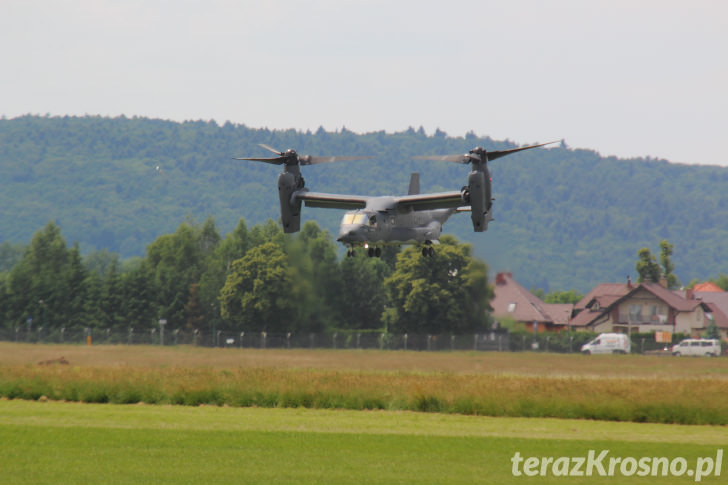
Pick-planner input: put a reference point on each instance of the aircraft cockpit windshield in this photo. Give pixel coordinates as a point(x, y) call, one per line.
point(357, 218)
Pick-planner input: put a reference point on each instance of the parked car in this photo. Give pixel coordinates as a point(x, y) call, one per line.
point(703, 347)
point(608, 343)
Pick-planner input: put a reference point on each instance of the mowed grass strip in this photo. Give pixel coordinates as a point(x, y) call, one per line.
point(85, 443)
point(676, 400)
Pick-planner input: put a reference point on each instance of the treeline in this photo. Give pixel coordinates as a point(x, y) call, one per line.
point(252, 279)
point(564, 218)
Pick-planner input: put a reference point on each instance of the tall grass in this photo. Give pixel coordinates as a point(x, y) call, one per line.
point(657, 400)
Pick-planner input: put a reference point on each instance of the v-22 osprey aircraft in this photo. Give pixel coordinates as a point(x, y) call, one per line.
point(374, 221)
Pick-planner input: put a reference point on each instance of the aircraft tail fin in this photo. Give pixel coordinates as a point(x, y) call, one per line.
point(414, 186)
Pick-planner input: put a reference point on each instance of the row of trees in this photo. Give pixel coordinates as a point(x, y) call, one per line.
point(565, 218)
point(256, 279)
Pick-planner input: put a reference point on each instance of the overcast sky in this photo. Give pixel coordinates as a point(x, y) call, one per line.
point(626, 78)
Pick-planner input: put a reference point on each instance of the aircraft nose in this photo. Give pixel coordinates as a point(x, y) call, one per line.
point(348, 234)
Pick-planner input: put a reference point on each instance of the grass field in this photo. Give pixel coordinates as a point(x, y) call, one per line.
point(279, 415)
point(508, 363)
point(615, 388)
point(87, 443)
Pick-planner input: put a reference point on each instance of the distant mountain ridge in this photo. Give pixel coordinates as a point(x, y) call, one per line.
point(564, 219)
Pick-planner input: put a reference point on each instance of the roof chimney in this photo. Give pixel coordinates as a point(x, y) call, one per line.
point(500, 278)
point(629, 282)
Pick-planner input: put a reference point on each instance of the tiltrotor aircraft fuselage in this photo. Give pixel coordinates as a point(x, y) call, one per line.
point(372, 222)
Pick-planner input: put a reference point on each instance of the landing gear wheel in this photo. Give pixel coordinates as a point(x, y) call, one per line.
point(378, 252)
point(425, 252)
point(431, 252)
point(371, 252)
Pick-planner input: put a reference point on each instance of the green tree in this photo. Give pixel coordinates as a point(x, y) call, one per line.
point(138, 303)
point(176, 262)
point(649, 270)
point(667, 265)
point(218, 265)
point(37, 283)
point(110, 302)
point(78, 292)
point(722, 281)
point(571, 296)
point(711, 331)
point(10, 254)
point(313, 267)
point(447, 293)
point(363, 297)
point(647, 267)
point(257, 292)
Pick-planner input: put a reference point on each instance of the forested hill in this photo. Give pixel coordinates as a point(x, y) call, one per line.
point(563, 218)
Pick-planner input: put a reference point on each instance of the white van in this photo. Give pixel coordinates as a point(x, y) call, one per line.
point(697, 346)
point(608, 343)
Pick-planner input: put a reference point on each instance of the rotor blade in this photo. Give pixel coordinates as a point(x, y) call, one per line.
point(502, 153)
point(275, 161)
point(468, 157)
point(270, 149)
point(308, 160)
point(444, 158)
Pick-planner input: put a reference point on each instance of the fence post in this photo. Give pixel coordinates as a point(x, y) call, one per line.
point(162, 324)
point(429, 342)
point(405, 341)
point(358, 338)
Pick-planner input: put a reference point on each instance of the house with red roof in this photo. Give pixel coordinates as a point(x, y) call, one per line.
point(513, 301)
point(647, 307)
point(707, 287)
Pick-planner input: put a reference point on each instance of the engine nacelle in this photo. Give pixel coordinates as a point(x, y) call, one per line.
point(478, 193)
point(288, 183)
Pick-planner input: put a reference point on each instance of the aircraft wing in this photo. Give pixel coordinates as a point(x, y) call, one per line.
point(438, 200)
point(332, 201)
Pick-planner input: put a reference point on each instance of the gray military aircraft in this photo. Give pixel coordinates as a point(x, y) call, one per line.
point(375, 221)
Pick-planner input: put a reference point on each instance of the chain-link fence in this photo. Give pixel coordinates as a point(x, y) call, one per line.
point(497, 341)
